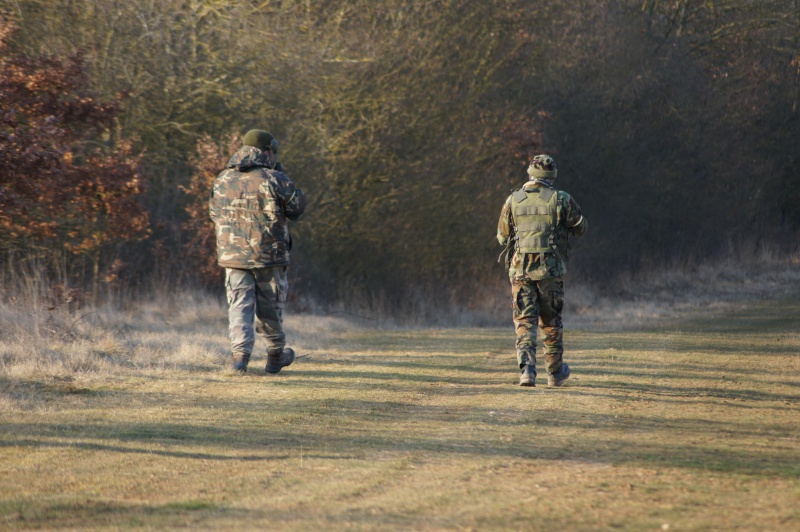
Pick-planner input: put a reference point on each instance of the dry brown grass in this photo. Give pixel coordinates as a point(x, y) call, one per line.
point(132, 420)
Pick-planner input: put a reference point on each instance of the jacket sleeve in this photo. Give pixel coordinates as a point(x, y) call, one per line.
point(289, 195)
point(213, 201)
point(574, 221)
point(504, 225)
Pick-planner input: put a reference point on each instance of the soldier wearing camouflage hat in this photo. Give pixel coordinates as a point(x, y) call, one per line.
point(251, 203)
point(535, 225)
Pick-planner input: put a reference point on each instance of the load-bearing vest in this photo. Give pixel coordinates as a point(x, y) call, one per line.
point(536, 216)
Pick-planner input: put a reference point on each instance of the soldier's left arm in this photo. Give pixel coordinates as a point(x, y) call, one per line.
point(292, 199)
point(574, 220)
point(213, 204)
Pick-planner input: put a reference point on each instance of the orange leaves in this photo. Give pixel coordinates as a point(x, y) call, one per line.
point(61, 188)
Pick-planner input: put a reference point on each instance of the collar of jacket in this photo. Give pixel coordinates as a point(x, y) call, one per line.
point(537, 183)
point(247, 158)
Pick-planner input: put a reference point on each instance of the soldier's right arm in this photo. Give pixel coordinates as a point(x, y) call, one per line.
point(292, 199)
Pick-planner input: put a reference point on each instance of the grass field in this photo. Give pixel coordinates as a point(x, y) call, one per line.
point(132, 420)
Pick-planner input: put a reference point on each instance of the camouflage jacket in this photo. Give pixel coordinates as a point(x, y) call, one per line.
point(537, 266)
point(250, 205)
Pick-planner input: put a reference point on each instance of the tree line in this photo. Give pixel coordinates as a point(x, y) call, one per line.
point(674, 125)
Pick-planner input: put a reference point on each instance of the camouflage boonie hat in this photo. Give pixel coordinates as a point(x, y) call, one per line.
point(542, 167)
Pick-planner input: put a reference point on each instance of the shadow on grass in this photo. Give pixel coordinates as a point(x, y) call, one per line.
point(27, 513)
point(149, 451)
point(466, 342)
point(338, 374)
point(698, 386)
point(703, 390)
point(334, 428)
point(354, 429)
point(674, 343)
point(194, 513)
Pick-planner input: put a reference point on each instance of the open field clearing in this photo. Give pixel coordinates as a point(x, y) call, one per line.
point(134, 421)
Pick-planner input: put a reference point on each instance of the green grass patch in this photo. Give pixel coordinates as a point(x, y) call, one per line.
point(692, 424)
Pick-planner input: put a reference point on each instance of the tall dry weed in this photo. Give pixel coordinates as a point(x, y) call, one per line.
point(47, 348)
point(677, 288)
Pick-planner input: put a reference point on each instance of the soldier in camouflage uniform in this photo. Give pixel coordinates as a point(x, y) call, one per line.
point(250, 203)
point(535, 225)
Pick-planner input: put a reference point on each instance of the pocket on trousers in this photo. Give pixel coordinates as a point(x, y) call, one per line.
point(236, 282)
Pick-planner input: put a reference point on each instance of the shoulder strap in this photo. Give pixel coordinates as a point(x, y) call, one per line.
point(547, 193)
point(520, 195)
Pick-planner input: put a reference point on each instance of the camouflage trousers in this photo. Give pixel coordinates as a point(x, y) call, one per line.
point(537, 305)
point(256, 299)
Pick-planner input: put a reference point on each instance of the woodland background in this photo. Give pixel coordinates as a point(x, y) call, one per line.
point(674, 125)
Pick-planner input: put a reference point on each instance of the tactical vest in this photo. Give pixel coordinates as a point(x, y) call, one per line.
point(535, 214)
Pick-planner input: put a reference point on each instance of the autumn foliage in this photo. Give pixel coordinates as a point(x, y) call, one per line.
point(674, 125)
point(68, 182)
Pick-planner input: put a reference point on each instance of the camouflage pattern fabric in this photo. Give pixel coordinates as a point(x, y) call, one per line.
point(256, 299)
point(537, 285)
point(537, 305)
point(546, 265)
point(542, 167)
point(250, 204)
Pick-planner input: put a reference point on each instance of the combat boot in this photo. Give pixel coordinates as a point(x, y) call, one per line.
point(528, 376)
point(277, 360)
point(240, 362)
point(558, 378)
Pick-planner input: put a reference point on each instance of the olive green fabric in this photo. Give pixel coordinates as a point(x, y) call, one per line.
point(535, 219)
point(258, 138)
point(569, 222)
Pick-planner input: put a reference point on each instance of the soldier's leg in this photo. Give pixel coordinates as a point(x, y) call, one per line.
point(526, 317)
point(240, 286)
point(271, 289)
point(551, 302)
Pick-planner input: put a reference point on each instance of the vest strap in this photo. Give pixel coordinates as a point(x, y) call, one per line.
point(547, 193)
point(520, 195)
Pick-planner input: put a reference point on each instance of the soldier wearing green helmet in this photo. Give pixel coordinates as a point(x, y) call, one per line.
point(535, 225)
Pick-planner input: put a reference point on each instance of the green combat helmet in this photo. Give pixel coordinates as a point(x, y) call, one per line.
point(542, 167)
point(258, 139)
point(264, 141)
